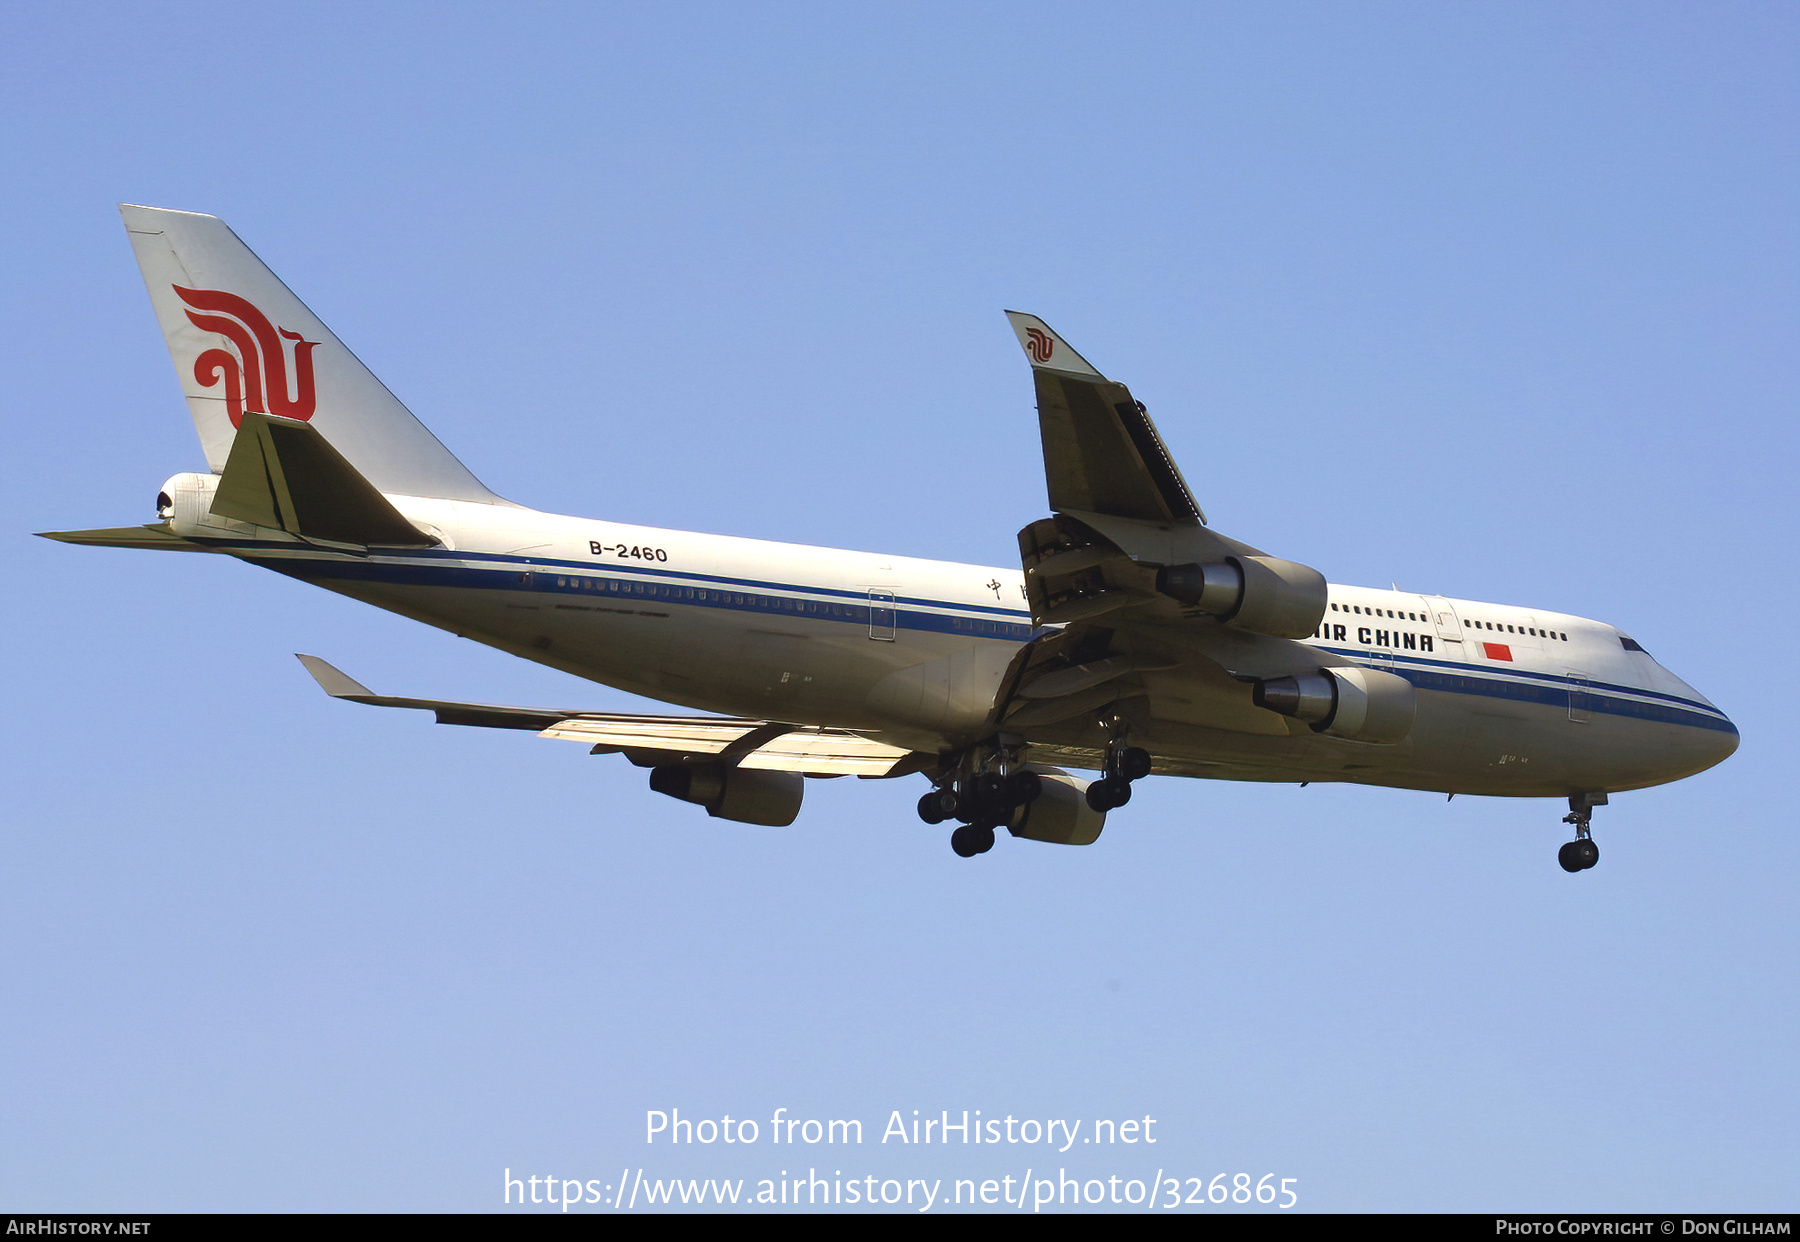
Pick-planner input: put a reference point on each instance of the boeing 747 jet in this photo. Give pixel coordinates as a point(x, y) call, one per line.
point(1132, 639)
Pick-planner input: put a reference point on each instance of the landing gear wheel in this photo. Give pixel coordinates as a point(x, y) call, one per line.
point(1134, 763)
point(1022, 788)
point(937, 805)
point(970, 840)
point(1581, 853)
point(1108, 793)
point(989, 789)
point(1578, 855)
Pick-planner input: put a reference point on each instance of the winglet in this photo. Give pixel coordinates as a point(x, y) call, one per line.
point(1048, 351)
point(338, 684)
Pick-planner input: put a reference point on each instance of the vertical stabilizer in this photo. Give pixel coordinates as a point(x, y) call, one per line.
point(243, 343)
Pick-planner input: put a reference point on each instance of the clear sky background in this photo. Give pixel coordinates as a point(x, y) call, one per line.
point(1498, 301)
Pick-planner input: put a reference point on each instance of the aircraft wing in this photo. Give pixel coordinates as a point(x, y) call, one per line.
point(1151, 604)
point(1102, 453)
point(650, 741)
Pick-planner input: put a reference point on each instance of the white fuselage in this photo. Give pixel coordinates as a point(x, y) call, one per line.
point(1510, 700)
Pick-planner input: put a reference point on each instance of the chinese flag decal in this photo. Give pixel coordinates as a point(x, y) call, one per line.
point(1498, 651)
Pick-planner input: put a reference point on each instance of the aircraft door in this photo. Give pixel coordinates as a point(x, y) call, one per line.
point(1443, 616)
point(1581, 699)
point(883, 616)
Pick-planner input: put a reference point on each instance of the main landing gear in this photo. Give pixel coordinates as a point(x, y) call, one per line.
point(981, 792)
point(1124, 764)
point(1581, 853)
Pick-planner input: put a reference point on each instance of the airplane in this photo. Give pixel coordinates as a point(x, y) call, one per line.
point(1131, 640)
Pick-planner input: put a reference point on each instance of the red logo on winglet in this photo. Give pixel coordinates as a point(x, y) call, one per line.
point(256, 376)
point(1039, 344)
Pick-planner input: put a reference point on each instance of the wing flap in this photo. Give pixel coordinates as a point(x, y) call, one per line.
point(768, 746)
point(826, 752)
point(688, 737)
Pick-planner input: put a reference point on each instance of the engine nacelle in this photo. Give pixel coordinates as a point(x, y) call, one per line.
point(185, 503)
point(1060, 813)
point(749, 797)
point(1262, 594)
point(1358, 704)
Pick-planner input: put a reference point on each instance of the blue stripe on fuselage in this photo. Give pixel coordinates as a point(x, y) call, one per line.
point(601, 586)
point(627, 584)
point(1524, 686)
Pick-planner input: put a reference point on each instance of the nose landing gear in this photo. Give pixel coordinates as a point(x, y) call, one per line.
point(1581, 853)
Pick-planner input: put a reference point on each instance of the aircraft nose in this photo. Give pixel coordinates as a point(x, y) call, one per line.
point(1714, 746)
point(1703, 743)
point(1710, 737)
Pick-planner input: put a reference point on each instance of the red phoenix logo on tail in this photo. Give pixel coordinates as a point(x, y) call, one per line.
point(1039, 344)
point(256, 377)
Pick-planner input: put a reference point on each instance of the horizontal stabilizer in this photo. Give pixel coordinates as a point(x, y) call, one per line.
point(650, 740)
point(284, 475)
point(156, 536)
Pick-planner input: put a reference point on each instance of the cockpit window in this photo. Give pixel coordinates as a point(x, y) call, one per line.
point(1630, 644)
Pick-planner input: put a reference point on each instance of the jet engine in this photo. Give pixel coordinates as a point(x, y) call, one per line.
point(749, 797)
point(1060, 813)
point(1262, 594)
point(1360, 704)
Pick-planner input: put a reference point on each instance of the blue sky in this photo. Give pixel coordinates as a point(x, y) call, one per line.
point(1494, 301)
